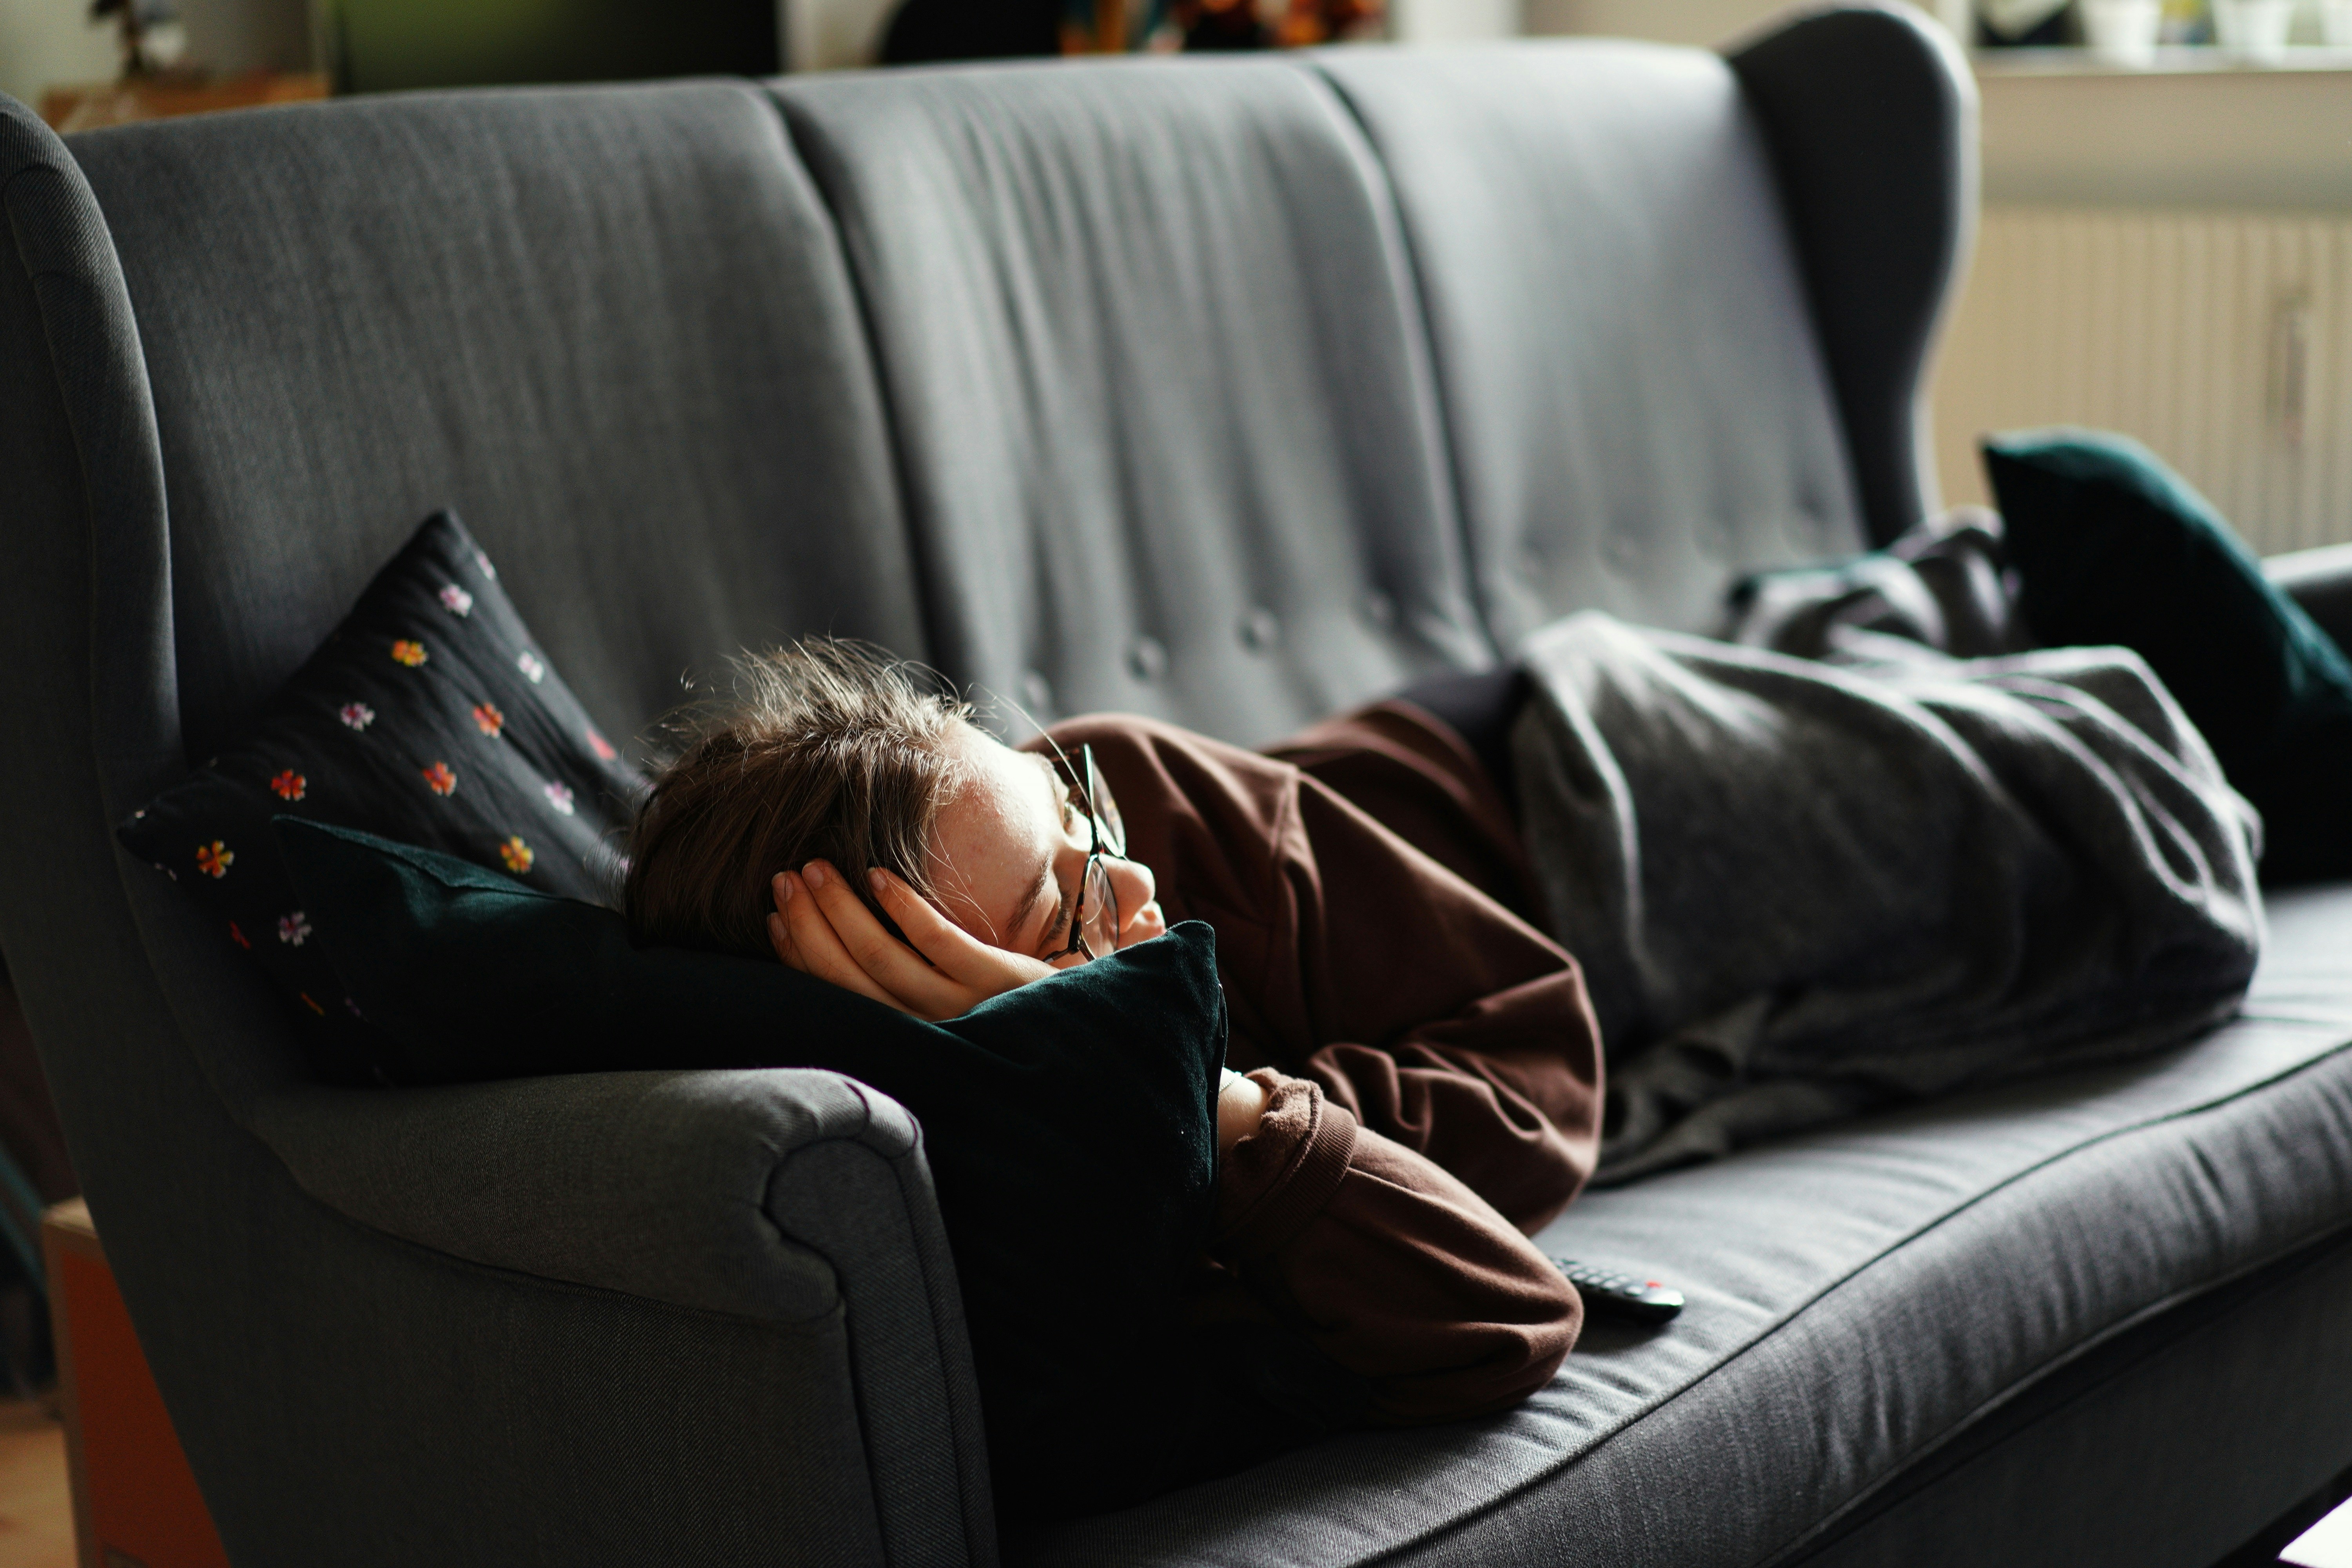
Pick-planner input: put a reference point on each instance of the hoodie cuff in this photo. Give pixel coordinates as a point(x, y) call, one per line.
point(1278, 1178)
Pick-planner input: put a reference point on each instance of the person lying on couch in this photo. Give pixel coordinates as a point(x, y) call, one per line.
point(1418, 1066)
point(1793, 892)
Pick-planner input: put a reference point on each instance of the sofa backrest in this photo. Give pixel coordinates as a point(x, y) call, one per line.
point(1636, 397)
point(610, 327)
point(1159, 382)
point(1645, 341)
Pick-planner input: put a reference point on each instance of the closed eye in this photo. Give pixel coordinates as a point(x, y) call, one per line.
point(1056, 937)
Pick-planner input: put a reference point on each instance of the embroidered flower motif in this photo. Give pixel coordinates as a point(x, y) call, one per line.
point(213, 859)
point(483, 562)
point(441, 780)
point(292, 929)
point(289, 785)
point(560, 797)
point(517, 855)
point(489, 719)
point(311, 1005)
point(239, 937)
point(357, 715)
point(411, 654)
point(527, 662)
point(604, 747)
point(457, 601)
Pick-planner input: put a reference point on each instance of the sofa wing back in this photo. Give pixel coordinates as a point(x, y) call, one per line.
point(1871, 115)
point(1159, 382)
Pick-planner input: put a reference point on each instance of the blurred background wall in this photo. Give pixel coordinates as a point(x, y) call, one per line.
point(44, 43)
point(2166, 250)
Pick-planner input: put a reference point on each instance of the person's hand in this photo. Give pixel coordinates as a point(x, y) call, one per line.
point(821, 927)
point(1241, 1105)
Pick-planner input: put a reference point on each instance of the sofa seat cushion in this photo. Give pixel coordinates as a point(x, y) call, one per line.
point(1856, 1298)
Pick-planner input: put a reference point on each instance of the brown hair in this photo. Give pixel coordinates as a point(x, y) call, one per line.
point(829, 751)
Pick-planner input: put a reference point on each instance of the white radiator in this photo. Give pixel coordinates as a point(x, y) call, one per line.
point(2223, 341)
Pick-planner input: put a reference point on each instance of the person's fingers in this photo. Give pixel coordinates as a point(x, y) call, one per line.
point(823, 954)
point(984, 971)
point(948, 947)
point(886, 960)
point(780, 930)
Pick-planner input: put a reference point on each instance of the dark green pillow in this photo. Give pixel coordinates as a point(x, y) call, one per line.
point(2112, 547)
point(1069, 1125)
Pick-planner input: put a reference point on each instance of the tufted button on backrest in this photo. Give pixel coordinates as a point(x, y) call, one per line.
point(1147, 658)
point(1037, 694)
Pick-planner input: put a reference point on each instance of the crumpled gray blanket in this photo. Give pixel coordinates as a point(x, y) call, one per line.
point(1799, 889)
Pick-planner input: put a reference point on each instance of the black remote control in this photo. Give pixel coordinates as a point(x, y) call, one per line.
point(1621, 1295)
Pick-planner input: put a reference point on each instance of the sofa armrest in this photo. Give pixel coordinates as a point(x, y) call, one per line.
point(651, 1184)
point(2321, 581)
point(781, 1195)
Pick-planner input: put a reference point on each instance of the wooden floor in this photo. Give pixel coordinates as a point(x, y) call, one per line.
point(35, 1513)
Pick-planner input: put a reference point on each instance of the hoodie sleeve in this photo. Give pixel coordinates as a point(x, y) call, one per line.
point(1391, 1268)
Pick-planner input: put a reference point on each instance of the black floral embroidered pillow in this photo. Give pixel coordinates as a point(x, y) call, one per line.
point(429, 717)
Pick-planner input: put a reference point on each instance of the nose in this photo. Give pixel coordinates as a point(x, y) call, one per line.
point(1132, 883)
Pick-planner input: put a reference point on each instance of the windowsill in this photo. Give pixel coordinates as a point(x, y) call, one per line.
point(2198, 129)
point(2187, 60)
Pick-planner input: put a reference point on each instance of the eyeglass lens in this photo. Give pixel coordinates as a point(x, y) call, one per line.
point(1110, 830)
point(1099, 922)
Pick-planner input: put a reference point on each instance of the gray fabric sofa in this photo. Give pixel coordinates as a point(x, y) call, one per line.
point(1229, 391)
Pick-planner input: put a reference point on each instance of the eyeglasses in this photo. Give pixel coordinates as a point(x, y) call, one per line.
point(1093, 921)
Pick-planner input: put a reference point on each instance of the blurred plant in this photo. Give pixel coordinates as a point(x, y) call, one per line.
point(2187, 22)
point(147, 30)
point(923, 30)
point(2012, 22)
point(1113, 26)
point(1116, 26)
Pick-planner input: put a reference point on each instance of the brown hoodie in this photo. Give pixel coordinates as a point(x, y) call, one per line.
point(1431, 1058)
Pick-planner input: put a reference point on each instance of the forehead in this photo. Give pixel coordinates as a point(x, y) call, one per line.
point(994, 839)
point(1003, 783)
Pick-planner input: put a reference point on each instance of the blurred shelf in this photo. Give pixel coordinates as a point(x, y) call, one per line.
point(87, 108)
point(2201, 129)
point(2202, 59)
